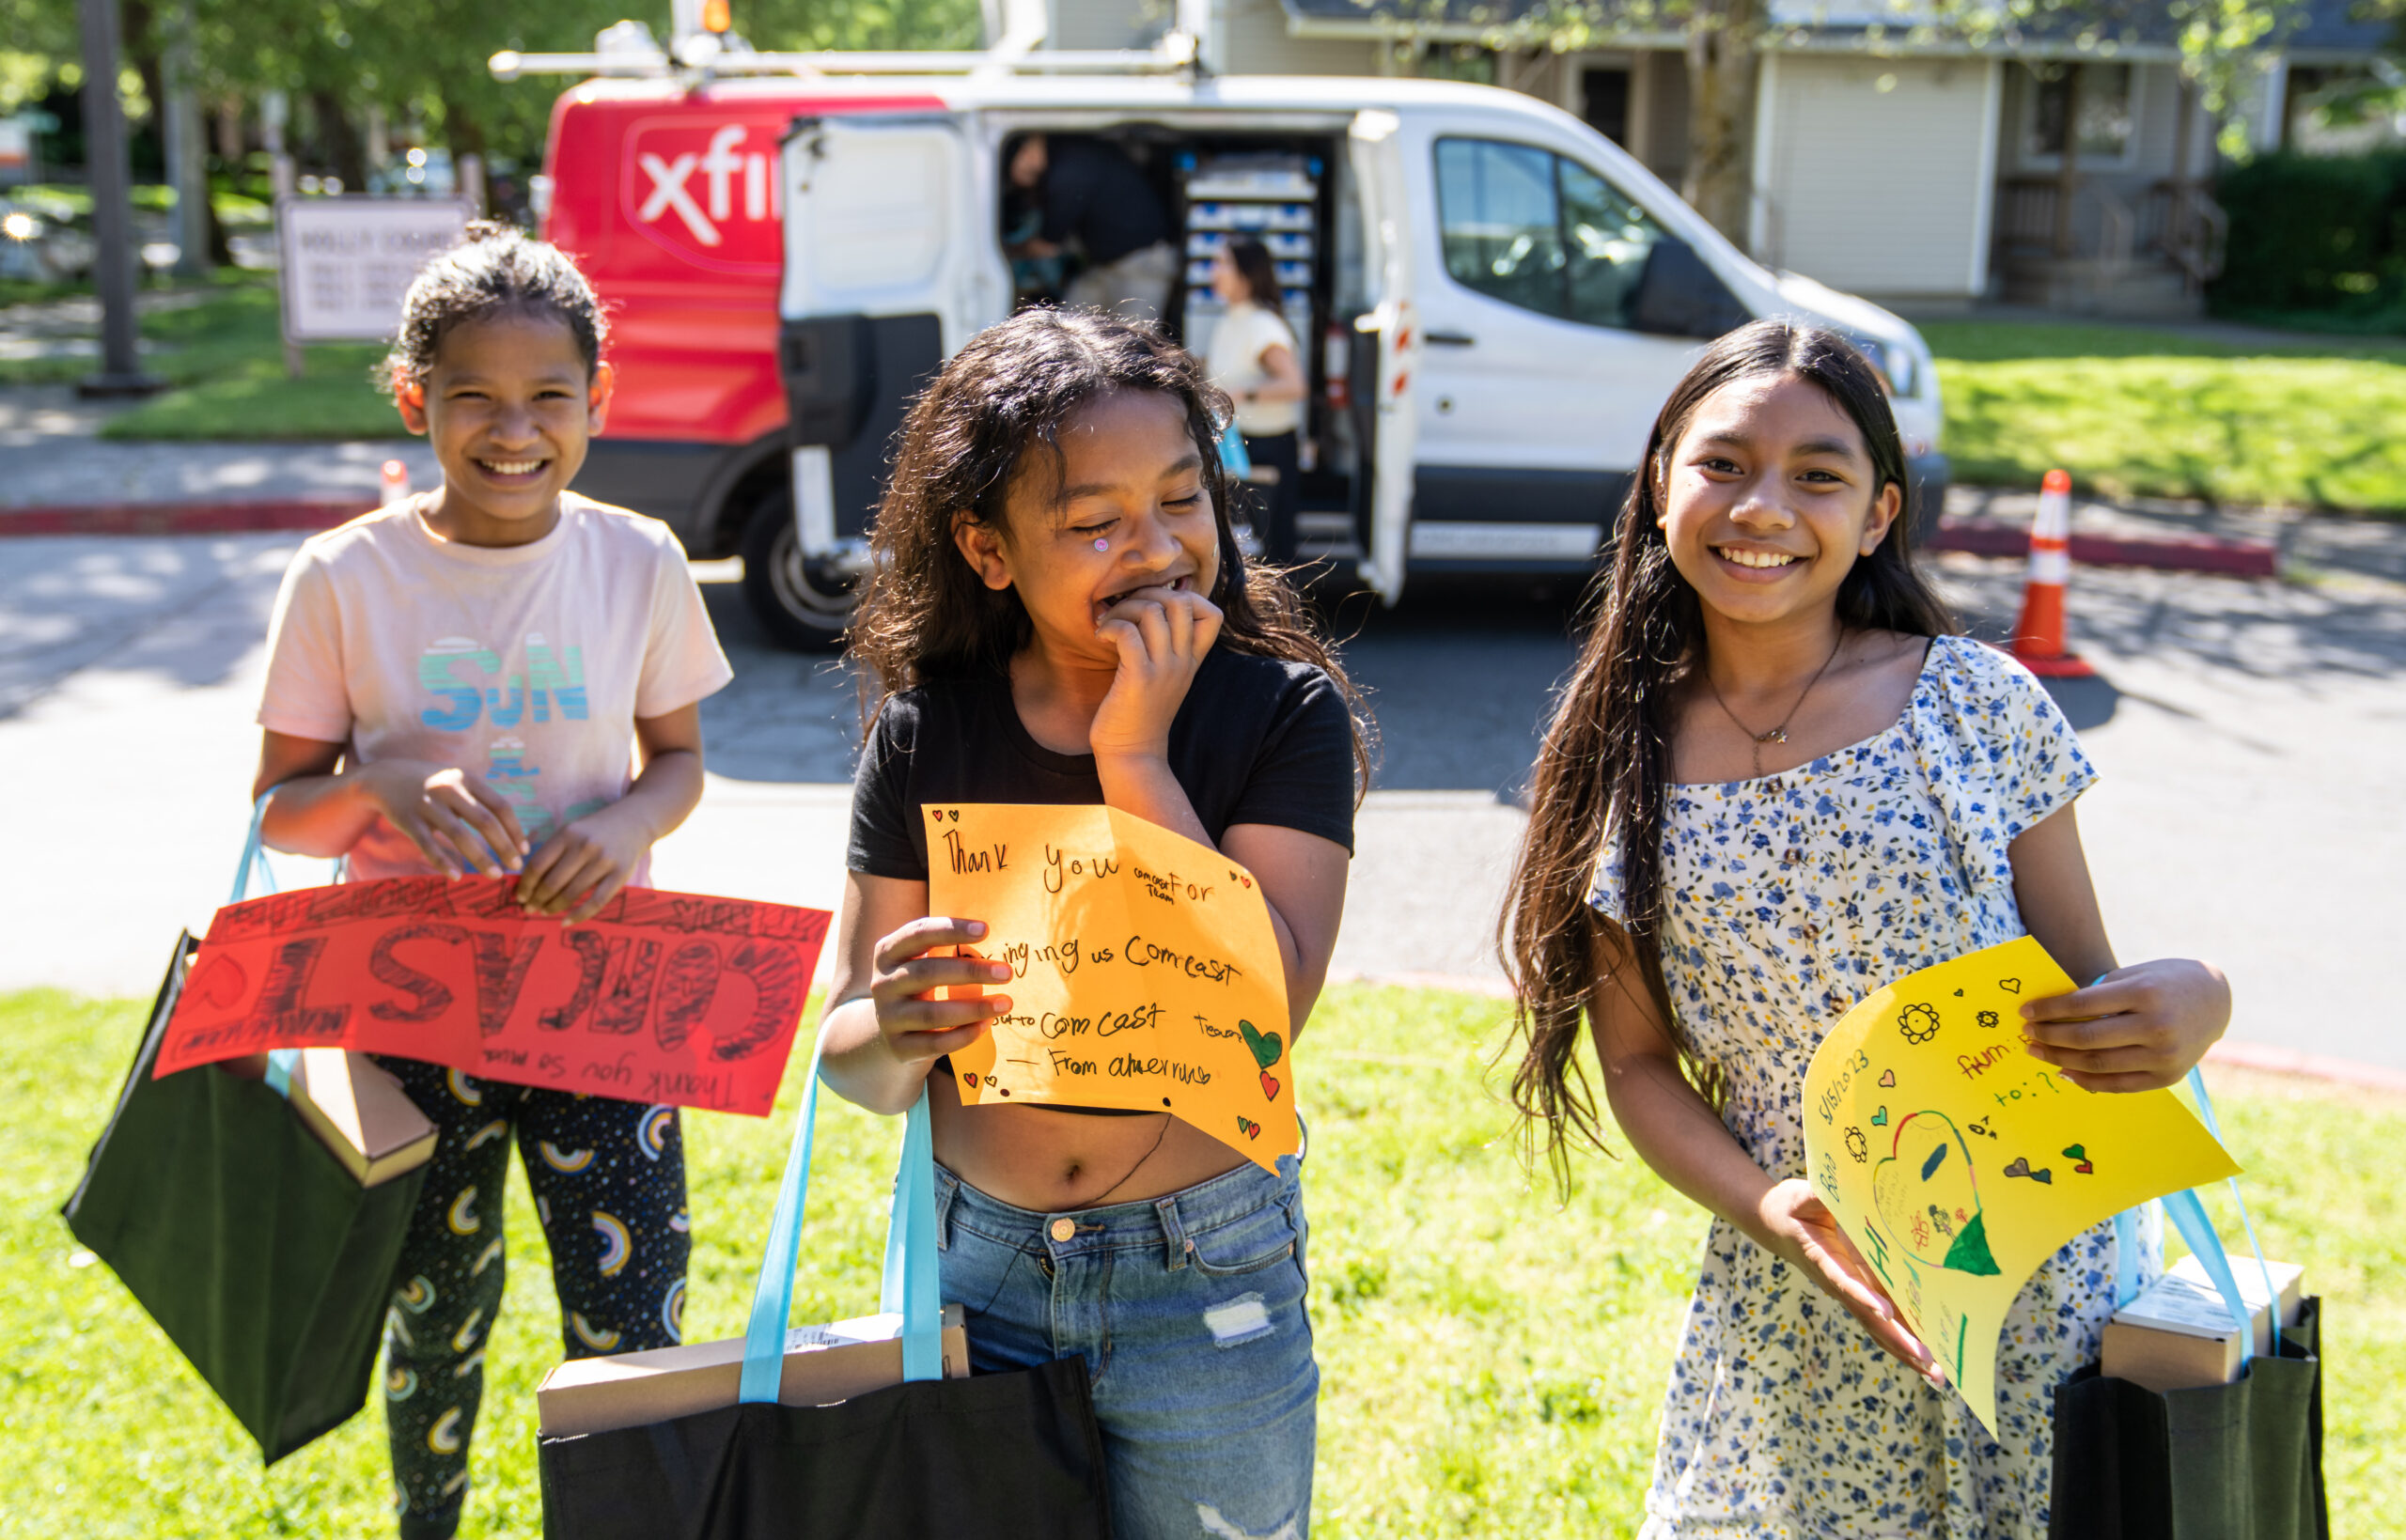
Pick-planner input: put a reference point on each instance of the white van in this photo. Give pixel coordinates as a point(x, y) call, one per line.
point(1500, 297)
point(1494, 300)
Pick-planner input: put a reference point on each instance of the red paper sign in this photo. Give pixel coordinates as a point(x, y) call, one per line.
point(663, 997)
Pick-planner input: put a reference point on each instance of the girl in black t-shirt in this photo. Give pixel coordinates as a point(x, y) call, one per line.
point(1058, 613)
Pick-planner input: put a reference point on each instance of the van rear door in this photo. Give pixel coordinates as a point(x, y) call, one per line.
point(1376, 144)
point(891, 263)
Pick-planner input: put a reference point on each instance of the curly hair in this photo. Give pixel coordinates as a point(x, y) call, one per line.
point(1000, 401)
point(494, 270)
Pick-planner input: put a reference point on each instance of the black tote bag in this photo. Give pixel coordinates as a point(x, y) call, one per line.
point(2242, 1461)
point(1014, 1455)
point(264, 1261)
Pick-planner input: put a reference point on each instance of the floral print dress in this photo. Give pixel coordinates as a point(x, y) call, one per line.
point(1788, 898)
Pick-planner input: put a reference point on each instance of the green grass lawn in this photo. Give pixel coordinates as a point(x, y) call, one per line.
point(2141, 412)
point(224, 360)
point(1493, 1362)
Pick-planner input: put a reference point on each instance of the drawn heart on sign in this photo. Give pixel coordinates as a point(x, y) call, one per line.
point(2010, 985)
point(969, 1081)
point(1887, 1078)
point(1248, 1128)
point(989, 1080)
point(1266, 1046)
point(1269, 1085)
point(1959, 994)
point(1880, 1119)
point(2021, 1167)
point(2080, 1152)
point(1929, 1198)
point(221, 982)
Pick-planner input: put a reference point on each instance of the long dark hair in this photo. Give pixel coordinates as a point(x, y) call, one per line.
point(1006, 396)
point(1606, 760)
point(1252, 261)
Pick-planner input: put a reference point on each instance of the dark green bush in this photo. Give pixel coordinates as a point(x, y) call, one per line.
point(2314, 232)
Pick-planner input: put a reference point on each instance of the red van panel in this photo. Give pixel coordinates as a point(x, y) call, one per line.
point(670, 202)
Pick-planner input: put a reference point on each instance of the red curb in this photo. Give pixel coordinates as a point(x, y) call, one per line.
point(2286, 1061)
point(183, 518)
point(2161, 552)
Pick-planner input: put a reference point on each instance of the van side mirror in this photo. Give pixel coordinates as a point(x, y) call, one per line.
point(1679, 296)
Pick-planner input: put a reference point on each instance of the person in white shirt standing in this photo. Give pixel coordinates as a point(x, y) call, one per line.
point(500, 678)
point(1254, 358)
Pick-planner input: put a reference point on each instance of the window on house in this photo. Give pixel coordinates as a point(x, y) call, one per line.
point(1605, 95)
point(2103, 109)
point(1532, 229)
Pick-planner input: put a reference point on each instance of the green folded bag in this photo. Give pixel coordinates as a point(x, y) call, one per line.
point(264, 1261)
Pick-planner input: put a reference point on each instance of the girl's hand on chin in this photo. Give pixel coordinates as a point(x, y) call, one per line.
point(1803, 1232)
point(1162, 635)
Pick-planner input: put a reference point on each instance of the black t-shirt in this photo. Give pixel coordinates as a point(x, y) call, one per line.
point(1095, 192)
point(1258, 740)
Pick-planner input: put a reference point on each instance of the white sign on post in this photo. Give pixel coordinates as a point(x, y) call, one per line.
point(348, 262)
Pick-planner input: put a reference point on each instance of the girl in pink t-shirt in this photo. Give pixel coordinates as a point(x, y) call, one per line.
point(500, 677)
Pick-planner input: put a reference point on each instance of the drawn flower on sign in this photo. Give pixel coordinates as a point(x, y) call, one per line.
point(1919, 1023)
point(1857, 1146)
point(1987, 1019)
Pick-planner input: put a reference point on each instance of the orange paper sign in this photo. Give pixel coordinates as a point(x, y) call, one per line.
point(1145, 972)
point(663, 997)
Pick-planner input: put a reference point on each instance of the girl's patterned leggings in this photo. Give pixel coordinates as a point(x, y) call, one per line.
point(609, 1184)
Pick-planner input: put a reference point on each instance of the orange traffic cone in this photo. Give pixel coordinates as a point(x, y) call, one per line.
point(397, 482)
point(2039, 643)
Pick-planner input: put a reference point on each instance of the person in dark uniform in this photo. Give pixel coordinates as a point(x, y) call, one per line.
point(1093, 198)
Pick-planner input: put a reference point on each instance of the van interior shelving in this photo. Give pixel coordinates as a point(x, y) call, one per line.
point(1293, 192)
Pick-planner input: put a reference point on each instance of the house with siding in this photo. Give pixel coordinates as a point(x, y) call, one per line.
point(2059, 166)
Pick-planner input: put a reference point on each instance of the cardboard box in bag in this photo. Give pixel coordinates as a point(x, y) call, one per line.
point(357, 1111)
point(823, 1364)
point(2178, 1334)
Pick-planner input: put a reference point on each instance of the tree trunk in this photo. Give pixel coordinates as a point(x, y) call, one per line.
point(1722, 65)
point(339, 148)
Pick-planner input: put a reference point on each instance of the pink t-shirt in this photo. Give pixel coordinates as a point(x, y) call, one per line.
point(525, 665)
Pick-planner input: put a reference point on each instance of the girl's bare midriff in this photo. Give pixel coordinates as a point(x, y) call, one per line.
point(1049, 1160)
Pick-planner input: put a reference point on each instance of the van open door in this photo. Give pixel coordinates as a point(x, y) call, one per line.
point(891, 263)
point(1393, 325)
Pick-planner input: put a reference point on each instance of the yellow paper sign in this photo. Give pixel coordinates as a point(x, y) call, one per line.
point(1957, 1164)
point(1145, 974)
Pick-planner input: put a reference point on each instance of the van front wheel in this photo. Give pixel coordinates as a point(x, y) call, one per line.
point(803, 604)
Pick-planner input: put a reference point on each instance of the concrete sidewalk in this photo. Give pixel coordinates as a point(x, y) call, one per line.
point(50, 457)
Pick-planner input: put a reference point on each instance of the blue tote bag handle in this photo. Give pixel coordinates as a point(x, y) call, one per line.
point(2188, 1214)
point(283, 1061)
point(910, 1284)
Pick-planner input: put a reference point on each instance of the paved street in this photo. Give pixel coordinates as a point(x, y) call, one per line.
point(2251, 735)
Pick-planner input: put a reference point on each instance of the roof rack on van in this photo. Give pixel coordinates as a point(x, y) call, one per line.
point(628, 51)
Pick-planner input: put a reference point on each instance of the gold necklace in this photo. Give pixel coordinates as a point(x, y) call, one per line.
point(1778, 734)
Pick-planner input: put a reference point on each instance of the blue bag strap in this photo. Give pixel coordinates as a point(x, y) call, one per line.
point(772, 1292)
point(2126, 1255)
point(2206, 1107)
point(911, 1285)
point(283, 1061)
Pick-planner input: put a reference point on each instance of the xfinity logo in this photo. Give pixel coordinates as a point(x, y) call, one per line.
point(720, 166)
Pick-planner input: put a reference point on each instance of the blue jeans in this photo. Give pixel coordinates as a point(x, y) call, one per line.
point(1189, 1313)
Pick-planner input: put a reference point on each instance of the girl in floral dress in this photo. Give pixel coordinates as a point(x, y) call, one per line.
point(1775, 782)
